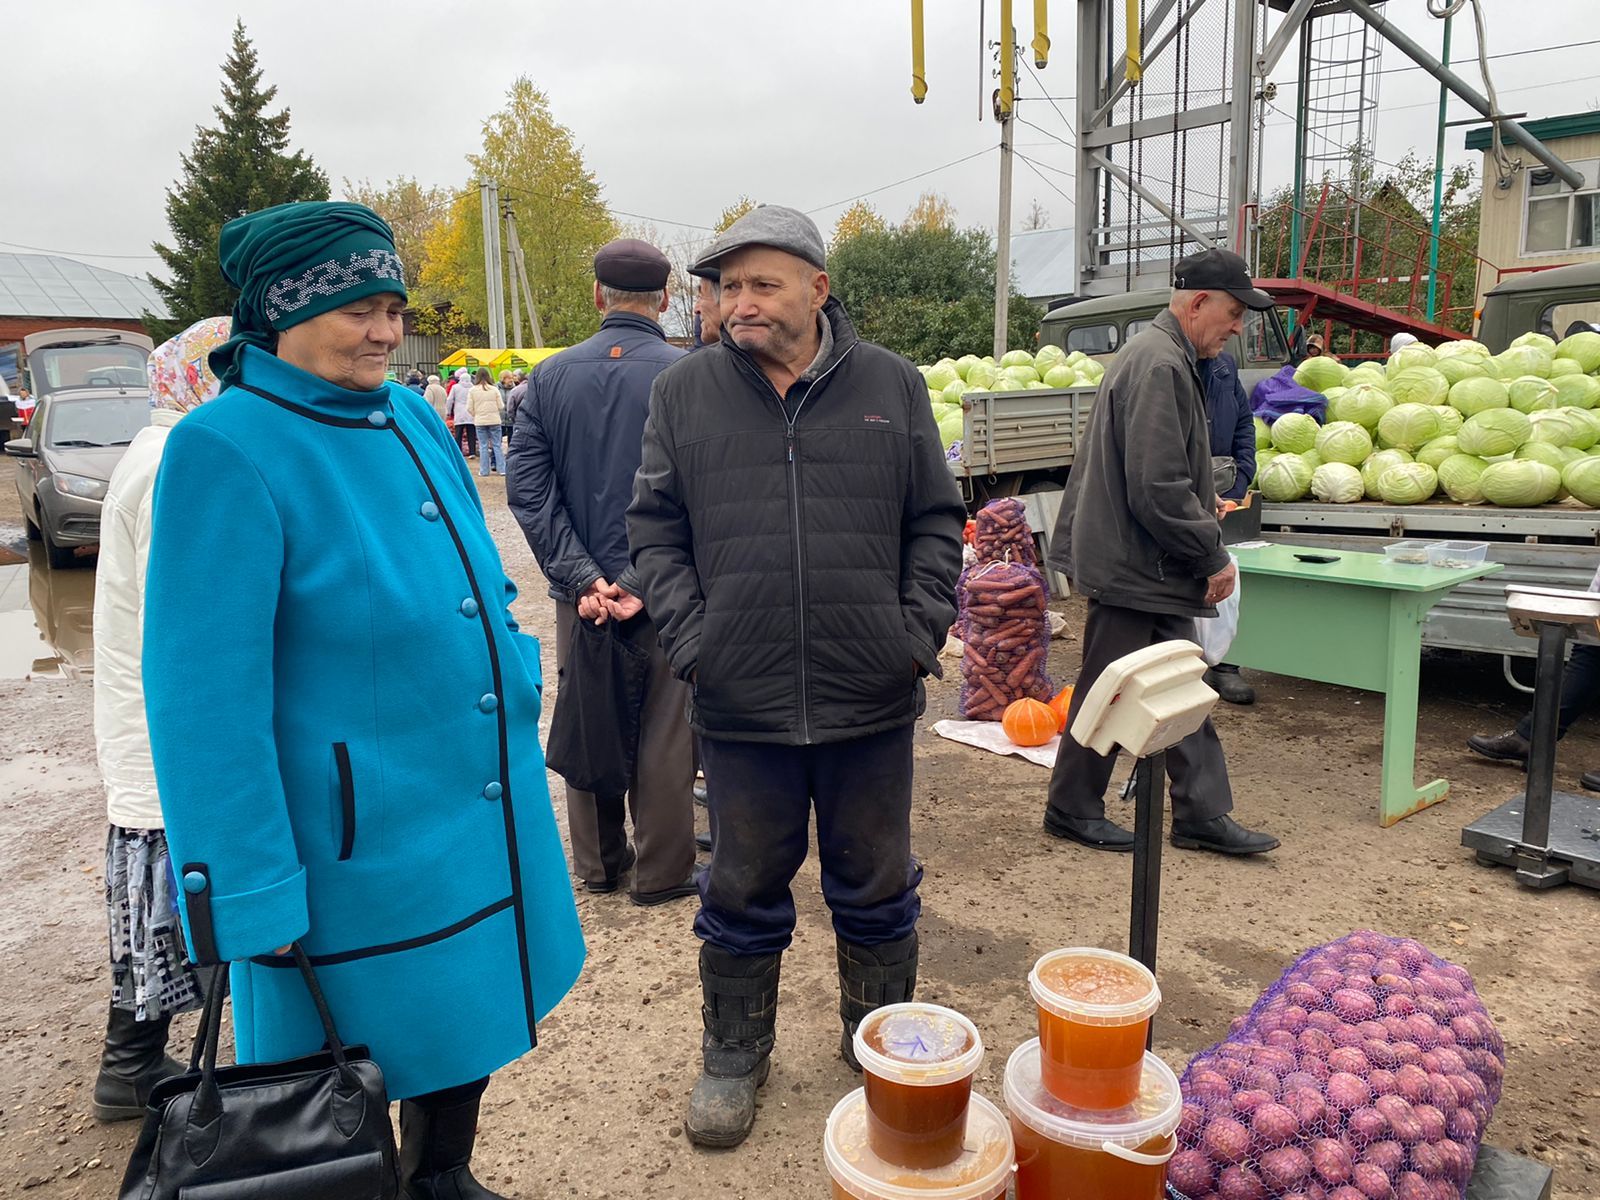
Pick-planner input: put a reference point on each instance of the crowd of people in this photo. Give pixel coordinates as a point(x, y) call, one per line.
point(764, 523)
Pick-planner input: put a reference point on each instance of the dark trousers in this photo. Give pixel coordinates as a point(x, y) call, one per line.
point(467, 435)
point(662, 795)
point(1580, 688)
point(760, 798)
point(1195, 765)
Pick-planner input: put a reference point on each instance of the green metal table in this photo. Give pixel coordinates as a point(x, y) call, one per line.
point(1355, 622)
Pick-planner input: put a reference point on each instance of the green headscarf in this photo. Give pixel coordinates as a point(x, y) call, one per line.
point(297, 261)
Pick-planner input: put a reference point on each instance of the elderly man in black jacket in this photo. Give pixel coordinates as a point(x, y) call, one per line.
point(1138, 535)
point(798, 535)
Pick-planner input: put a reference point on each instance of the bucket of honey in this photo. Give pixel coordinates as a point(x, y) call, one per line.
point(1094, 1019)
point(1067, 1153)
point(917, 1062)
point(982, 1171)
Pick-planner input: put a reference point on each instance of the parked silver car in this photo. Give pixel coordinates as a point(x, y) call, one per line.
point(65, 459)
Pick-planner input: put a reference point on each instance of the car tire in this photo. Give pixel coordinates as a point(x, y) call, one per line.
point(60, 557)
point(30, 528)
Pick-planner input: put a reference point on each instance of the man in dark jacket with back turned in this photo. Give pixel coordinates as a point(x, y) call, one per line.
point(798, 535)
point(1138, 535)
point(1233, 437)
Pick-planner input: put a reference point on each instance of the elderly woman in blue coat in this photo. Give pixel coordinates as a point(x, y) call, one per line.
point(322, 590)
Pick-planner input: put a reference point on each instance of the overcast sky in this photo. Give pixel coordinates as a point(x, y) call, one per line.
point(678, 107)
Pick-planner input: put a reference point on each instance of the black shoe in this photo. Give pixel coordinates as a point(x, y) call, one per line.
point(1095, 832)
point(689, 887)
point(1509, 746)
point(1590, 781)
point(869, 978)
point(609, 885)
point(703, 841)
point(740, 1011)
point(700, 794)
point(133, 1061)
point(1222, 835)
point(436, 1153)
point(1226, 681)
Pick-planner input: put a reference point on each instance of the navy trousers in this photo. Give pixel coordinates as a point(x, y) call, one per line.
point(1580, 688)
point(760, 798)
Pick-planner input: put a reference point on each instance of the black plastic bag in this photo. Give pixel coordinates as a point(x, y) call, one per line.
point(594, 733)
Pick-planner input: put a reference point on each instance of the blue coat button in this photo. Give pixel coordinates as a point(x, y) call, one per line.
point(194, 882)
point(492, 791)
point(377, 419)
point(469, 607)
point(429, 511)
point(488, 702)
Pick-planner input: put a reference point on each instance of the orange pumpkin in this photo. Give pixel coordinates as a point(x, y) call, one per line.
point(1059, 704)
point(1029, 722)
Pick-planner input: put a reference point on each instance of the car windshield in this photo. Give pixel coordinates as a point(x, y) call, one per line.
point(104, 421)
point(109, 364)
point(1263, 340)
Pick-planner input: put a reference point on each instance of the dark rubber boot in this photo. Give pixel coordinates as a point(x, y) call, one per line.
point(436, 1152)
point(133, 1061)
point(740, 1012)
point(869, 978)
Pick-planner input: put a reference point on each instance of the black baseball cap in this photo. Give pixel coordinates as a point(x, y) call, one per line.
point(1220, 271)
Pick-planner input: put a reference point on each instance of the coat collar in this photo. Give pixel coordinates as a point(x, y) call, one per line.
point(628, 320)
point(271, 374)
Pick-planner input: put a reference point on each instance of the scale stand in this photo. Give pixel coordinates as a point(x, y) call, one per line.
point(1144, 914)
point(1548, 837)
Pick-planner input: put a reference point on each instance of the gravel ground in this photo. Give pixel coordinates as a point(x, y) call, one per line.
point(596, 1110)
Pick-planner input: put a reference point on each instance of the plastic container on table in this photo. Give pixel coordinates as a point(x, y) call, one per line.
point(982, 1172)
point(1066, 1153)
point(1457, 554)
point(917, 1061)
point(1094, 1020)
point(1409, 553)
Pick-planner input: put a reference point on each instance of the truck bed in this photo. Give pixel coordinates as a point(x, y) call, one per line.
point(1015, 432)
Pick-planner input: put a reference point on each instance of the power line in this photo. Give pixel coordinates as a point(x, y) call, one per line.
point(1053, 104)
point(907, 179)
point(1029, 163)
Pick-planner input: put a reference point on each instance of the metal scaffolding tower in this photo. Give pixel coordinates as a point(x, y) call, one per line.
point(1339, 65)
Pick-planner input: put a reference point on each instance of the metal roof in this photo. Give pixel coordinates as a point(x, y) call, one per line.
point(1042, 262)
point(46, 285)
point(1584, 274)
point(1547, 129)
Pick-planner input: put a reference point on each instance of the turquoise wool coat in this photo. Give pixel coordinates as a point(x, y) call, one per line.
point(344, 723)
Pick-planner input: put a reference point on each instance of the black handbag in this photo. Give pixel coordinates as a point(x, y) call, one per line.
point(312, 1128)
point(594, 732)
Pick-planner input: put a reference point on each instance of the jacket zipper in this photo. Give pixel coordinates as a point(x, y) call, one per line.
point(347, 801)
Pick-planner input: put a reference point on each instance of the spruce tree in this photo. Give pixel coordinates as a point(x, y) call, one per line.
point(240, 165)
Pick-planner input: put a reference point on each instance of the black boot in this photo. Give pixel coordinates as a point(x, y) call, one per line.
point(740, 1012)
point(869, 978)
point(1225, 680)
point(436, 1152)
point(133, 1062)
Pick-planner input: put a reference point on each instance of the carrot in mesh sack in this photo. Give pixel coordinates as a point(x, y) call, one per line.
point(1007, 638)
point(1001, 533)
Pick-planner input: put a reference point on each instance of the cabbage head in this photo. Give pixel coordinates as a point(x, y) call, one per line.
point(1407, 483)
point(1522, 360)
point(1263, 434)
point(1449, 419)
point(1494, 431)
point(1037, 385)
point(1047, 357)
point(1367, 372)
point(1555, 427)
point(941, 375)
point(1015, 379)
point(1564, 366)
point(1520, 483)
point(1061, 376)
point(1583, 348)
point(1419, 385)
point(1458, 476)
point(1312, 458)
point(1436, 451)
point(1408, 358)
point(1530, 392)
point(950, 428)
point(1090, 369)
point(1476, 395)
point(1460, 346)
point(1364, 404)
point(1409, 426)
point(981, 376)
point(1294, 432)
point(1016, 358)
point(1576, 391)
point(1551, 456)
point(1287, 477)
point(1263, 457)
point(1339, 483)
point(1376, 465)
point(1462, 366)
point(1343, 442)
point(1321, 373)
point(1585, 427)
point(1581, 477)
point(966, 362)
point(1535, 339)
point(1076, 357)
point(952, 393)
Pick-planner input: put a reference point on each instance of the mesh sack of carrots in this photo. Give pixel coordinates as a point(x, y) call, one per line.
point(1007, 638)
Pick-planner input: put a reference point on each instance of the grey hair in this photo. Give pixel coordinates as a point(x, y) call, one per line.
point(433, 379)
point(614, 297)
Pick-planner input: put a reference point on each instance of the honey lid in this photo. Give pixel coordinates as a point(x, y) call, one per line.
point(919, 1044)
point(1096, 999)
point(983, 1172)
point(1154, 1113)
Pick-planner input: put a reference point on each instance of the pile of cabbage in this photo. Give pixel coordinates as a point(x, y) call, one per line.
point(1017, 371)
point(1516, 429)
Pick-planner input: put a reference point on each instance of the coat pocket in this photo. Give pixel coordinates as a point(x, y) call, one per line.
point(345, 789)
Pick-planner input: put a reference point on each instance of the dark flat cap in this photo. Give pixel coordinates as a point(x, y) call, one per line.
point(631, 266)
point(786, 229)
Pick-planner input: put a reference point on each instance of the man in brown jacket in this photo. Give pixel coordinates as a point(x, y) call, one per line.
point(1138, 535)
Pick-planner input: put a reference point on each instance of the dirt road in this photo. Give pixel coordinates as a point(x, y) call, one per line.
point(596, 1110)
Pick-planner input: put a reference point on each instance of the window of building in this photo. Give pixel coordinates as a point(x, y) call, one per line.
point(1557, 218)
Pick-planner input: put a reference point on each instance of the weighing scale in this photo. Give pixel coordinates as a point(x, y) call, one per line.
point(1548, 837)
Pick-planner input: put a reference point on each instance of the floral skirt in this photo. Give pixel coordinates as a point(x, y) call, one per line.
point(150, 971)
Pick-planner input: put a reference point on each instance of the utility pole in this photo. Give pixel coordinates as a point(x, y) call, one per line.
point(516, 295)
point(493, 270)
point(519, 279)
point(1005, 105)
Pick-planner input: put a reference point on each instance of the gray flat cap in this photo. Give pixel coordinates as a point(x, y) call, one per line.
point(786, 229)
